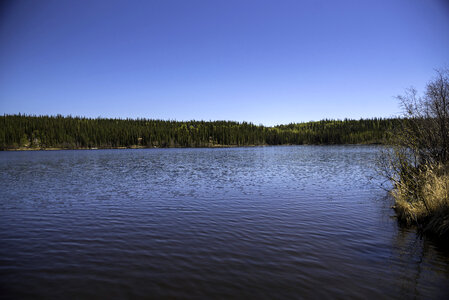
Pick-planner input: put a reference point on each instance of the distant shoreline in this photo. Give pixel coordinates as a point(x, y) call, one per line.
point(178, 147)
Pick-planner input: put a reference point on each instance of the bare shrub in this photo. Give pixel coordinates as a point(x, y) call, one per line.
point(417, 163)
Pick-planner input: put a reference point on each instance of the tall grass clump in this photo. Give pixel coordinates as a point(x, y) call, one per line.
point(417, 163)
point(426, 202)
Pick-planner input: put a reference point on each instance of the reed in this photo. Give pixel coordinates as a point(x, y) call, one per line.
point(422, 198)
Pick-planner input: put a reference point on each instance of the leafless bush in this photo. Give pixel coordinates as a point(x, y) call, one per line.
point(425, 130)
point(417, 163)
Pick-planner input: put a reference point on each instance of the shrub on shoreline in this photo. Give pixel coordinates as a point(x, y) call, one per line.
point(418, 163)
point(426, 202)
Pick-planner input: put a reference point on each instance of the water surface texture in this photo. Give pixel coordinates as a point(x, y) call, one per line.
point(265, 222)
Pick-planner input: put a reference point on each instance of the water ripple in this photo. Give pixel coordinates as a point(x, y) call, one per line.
point(270, 222)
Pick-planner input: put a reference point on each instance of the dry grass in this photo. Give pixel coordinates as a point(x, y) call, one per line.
point(424, 200)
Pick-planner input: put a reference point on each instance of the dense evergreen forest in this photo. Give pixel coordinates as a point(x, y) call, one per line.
point(41, 132)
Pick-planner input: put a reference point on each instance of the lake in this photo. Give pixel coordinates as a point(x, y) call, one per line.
point(261, 222)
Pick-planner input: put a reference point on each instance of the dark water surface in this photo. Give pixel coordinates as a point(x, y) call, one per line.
point(269, 222)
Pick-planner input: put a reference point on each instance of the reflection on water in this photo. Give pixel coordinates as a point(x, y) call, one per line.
point(269, 222)
point(416, 261)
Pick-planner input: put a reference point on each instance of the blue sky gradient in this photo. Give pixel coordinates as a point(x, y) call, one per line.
point(266, 62)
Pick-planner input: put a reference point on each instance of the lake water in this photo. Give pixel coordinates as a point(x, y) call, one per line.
point(263, 222)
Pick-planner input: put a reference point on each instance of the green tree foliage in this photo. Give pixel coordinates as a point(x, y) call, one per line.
point(24, 131)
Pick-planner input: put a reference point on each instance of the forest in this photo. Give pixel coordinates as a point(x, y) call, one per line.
point(21, 132)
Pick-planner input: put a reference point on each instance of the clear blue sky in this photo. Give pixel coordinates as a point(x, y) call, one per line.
point(268, 62)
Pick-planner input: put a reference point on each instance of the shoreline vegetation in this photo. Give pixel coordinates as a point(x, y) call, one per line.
point(25, 132)
point(177, 147)
point(131, 147)
point(417, 164)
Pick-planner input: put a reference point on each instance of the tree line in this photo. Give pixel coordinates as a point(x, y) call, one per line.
point(67, 132)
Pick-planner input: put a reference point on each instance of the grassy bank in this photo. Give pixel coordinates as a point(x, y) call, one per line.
point(422, 199)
